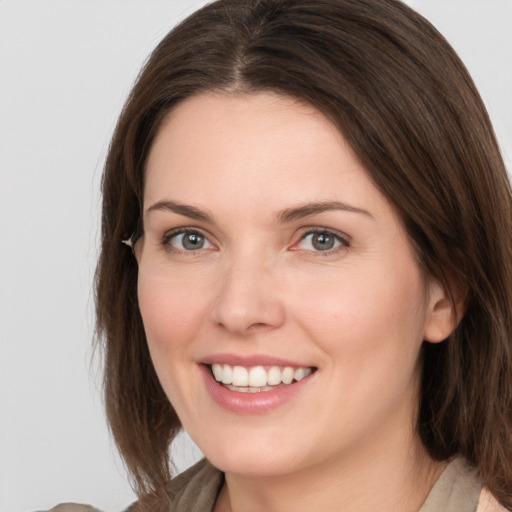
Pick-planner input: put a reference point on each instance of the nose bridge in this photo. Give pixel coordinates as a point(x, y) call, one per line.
point(248, 297)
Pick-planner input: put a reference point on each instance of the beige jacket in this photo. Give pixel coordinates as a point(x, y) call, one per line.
point(458, 489)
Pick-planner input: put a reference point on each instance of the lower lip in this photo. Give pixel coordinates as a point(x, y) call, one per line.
point(250, 403)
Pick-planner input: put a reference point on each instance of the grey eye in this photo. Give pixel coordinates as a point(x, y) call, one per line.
point(189, 241)
point(321, 241)
point(193, 241)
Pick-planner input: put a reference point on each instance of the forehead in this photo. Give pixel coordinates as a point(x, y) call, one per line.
point(249, 123)
point(258, 149)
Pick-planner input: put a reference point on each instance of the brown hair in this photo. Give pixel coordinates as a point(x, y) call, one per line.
point(409, 109)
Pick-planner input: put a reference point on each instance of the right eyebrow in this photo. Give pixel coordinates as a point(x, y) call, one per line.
point(181, 209)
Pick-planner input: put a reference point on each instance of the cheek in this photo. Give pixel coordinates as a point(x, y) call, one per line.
point(378, 311)
point(171, 313)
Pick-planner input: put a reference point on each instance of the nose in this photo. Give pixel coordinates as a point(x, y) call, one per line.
point(249, 299)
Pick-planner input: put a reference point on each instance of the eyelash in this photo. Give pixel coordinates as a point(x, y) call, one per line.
point(173, 234)
point(342, 239)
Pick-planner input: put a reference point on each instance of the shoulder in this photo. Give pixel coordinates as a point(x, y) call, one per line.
point(459, 488)
point(196, 489)
point(488, 503)
point(73, 507)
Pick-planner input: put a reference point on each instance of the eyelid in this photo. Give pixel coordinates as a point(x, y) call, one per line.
point(341, 237)
point(175, 232)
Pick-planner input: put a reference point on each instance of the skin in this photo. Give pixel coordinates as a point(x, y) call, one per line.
point(358, 313)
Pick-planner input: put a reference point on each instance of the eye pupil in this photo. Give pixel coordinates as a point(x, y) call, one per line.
point(193, 241)
point(323, 241)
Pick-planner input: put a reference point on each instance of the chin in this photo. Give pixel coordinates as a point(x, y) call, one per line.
point(253, 456)
point(263, 465)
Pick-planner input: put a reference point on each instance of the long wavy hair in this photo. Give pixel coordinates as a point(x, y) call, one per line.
point(406, 104)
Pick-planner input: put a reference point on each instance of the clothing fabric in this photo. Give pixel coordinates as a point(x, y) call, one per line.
point(458, 489)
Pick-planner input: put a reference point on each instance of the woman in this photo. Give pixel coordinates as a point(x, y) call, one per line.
point(320, 284)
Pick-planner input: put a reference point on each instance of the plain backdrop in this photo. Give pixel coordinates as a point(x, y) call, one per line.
point(65, 68)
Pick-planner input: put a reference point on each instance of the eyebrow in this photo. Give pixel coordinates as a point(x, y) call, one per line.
point(308, 209)
point(181, 209)
point(285, 216)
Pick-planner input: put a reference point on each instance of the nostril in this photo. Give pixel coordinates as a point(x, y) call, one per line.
point(256, 326)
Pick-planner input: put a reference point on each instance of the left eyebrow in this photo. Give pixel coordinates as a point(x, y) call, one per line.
point(308, 209)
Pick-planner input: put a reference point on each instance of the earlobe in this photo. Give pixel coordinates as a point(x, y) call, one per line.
point(443, 315)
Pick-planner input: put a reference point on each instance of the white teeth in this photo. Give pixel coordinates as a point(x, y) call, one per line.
point(257, 379)
point(299, 374)
point(217, 371)
point(287, 375)
point(227, 374)
point(240, 376)
point(274, 376)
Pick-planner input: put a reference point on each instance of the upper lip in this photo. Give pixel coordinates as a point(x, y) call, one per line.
point(249, 361)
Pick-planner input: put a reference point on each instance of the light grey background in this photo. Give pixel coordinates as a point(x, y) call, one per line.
point(65, 69)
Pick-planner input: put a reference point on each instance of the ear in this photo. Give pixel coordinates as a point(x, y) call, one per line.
point(442, 315)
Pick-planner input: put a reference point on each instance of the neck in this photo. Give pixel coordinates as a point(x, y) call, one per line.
point(391, 477)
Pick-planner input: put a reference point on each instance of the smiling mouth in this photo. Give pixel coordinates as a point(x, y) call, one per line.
point(257, 379)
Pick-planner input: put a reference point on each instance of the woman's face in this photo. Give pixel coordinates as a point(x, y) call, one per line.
point(269, 254)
